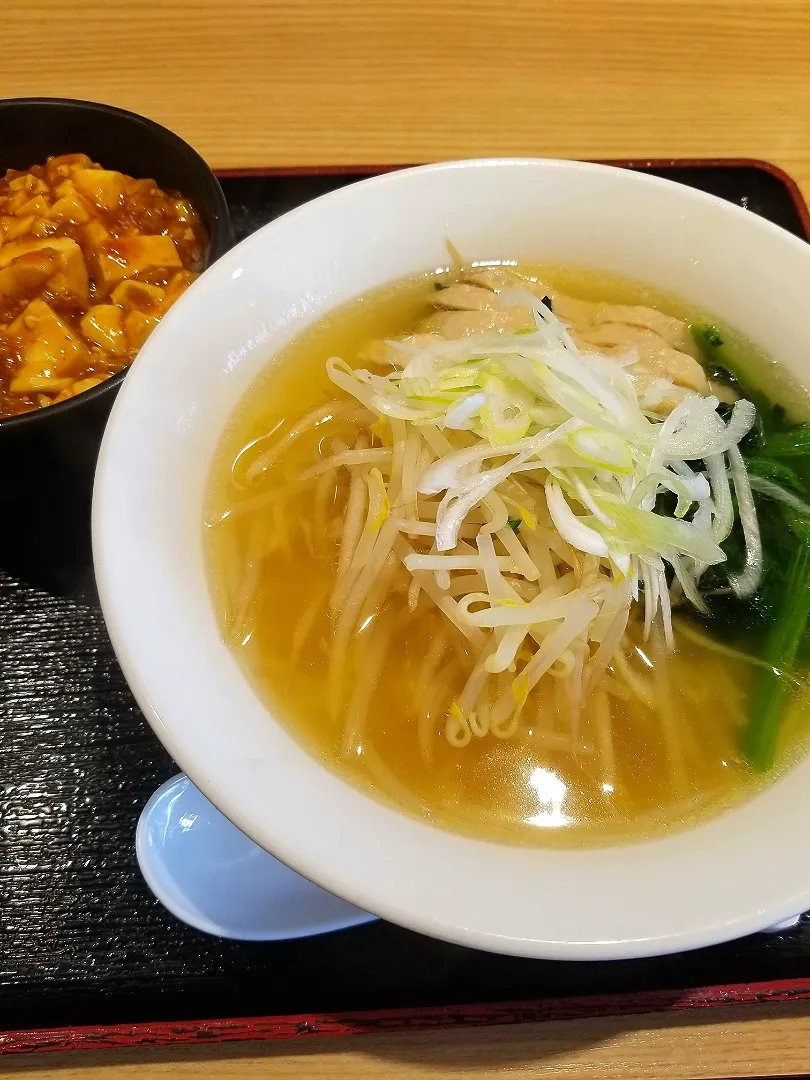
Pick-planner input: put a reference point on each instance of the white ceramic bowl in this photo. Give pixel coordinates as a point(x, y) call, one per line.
point(738, 873)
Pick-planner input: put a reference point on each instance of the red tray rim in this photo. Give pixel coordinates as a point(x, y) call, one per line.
point(275, 1028)
point(379, 1021)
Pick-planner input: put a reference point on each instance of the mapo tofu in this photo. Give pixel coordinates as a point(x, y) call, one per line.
point(90, 260)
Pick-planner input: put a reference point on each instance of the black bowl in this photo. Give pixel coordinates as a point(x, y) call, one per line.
point(48, 456)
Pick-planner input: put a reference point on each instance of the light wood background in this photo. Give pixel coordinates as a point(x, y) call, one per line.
point(298, 82)
point(318, 82)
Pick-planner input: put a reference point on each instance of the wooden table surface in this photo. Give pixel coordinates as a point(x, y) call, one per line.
point(318, 82)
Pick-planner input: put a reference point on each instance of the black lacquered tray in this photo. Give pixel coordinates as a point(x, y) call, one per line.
point(83, 942)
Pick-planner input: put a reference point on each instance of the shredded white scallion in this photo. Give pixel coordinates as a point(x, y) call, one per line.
point(534, 494)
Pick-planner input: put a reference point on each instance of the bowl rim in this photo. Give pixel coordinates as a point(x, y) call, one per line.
point(220, 239)
point(182, 749)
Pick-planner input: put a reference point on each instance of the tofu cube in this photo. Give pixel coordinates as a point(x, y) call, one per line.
point(69, 282)
point(103, 187)
point(69, 208)
point(81, 385)
point(67, 187)
point(138, 327)
point(137, 256)
point(50, 351)
point(91, 237)
point(103, 324)
point(30, 382)
point(78, 387)
point(44, 227)
point(60, 168)
point(177, 286)
point(37, 205)
point(138, 294)
point(25, 274)
point(13, 227)
point(17, 200)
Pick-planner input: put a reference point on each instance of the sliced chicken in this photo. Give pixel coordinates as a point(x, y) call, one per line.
point(657, 395)
point(674, 331)
point(723, 392)
point(654, 354)
point(464, 297)
point(493, 278)
point(383, 354)
point(459, 324)
point(498, 278)
point(667, 368)
point(472, 307)
point(584, 316)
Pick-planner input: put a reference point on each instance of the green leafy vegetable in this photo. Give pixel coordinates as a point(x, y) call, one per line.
point(746, 623)
point(795, 442)
point(781, 648)
point(799, 525)
point(724, 364)
point(513, 523)
point(707, 337)
point(721, 360)
point(776, 472)
point(776, 617)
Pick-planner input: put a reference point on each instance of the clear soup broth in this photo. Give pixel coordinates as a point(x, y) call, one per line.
point(657, 744)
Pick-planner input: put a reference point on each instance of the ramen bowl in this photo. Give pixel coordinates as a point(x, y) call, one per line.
point(742, 871)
